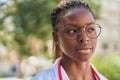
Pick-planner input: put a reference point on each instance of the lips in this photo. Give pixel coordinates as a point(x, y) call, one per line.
point(84, 50)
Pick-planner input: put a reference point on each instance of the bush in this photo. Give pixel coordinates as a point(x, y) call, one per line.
point(108, 65)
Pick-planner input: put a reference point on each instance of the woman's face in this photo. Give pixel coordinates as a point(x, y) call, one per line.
point(81, 47)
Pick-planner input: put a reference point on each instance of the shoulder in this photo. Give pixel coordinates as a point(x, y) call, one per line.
point(45, 75)
point(102, 77)
point(49, 74)
point(98, 74)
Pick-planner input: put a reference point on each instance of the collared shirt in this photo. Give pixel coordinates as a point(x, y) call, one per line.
point(52, 73)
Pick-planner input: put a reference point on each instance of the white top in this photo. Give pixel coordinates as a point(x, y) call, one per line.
point(52, 73)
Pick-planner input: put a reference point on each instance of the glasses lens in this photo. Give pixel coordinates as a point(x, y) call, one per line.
point(93, 30)
point(71, 31)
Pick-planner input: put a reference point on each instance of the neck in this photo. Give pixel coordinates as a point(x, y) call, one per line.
point(77, 70)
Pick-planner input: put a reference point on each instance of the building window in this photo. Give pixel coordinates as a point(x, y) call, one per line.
point(104, 46)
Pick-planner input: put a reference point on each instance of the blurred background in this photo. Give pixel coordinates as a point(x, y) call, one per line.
point(26, 40)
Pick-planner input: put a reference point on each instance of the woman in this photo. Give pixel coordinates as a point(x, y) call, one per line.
point(75, 35)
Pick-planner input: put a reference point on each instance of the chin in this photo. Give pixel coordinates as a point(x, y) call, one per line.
point(82, 60)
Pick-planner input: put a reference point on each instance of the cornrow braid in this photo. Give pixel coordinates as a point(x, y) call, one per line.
point(63, 7)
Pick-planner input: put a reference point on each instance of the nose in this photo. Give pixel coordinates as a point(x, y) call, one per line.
point(82, 37)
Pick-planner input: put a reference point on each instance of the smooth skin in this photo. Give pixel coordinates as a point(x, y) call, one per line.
point(76, 52)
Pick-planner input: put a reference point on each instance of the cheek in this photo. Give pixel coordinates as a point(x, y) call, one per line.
point(94, 43)
point(66, 45)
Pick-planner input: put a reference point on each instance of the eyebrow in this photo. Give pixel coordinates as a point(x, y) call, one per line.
point(92, 22)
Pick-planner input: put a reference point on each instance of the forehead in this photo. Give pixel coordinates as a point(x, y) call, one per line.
point(79, 16)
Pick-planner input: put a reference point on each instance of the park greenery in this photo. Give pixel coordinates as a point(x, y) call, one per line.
point(108, 65)
point(28, 18)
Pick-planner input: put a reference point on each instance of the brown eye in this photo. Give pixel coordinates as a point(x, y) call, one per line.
point(91, 29)
point(71, 31)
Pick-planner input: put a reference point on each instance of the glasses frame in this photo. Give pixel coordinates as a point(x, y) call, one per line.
point(85, 30)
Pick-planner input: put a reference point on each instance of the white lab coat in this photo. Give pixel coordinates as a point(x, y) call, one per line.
point(52, 73)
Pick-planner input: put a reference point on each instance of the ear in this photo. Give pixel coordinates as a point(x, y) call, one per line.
point(55, 36)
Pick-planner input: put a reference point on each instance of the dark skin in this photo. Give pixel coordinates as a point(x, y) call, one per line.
point(76, 52)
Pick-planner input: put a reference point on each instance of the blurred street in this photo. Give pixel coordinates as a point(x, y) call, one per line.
point(28, 67)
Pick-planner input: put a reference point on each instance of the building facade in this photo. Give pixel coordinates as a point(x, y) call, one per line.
point(109, 41)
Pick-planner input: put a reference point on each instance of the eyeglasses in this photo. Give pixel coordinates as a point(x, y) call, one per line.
point(72, 31)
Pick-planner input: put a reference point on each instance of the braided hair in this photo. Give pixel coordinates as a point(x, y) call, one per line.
point(62, 8)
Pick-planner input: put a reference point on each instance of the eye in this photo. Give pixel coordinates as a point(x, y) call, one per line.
point(71, 31)
point(91, 29)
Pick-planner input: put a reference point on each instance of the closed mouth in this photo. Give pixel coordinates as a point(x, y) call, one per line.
point(84, 50)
